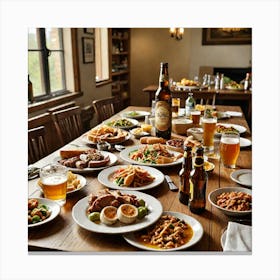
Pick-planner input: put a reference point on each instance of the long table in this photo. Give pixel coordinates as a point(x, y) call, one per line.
point(64, 234)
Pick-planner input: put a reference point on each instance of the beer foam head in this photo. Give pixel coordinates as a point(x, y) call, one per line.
point(209, 120)
point(54, 180)
point(229, 141)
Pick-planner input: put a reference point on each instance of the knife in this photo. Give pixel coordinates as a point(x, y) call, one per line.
point(170, 183)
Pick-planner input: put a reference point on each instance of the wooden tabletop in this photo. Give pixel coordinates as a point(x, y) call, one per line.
point(64, 234)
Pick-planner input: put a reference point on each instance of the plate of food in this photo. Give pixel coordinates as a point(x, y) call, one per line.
point(173, 231)
point(208, 166)
point(242, 177)
point(131, 177)
point(116, 212)
point(106, 133)
point(85, 160)
point(151, 155)
point(232, 201)
point(228, 127)
point(176, 144)
point(41, 211)
point(139, 132)
point(135, 114)
point(234, 86)
point(123, 123)
point(75, 182)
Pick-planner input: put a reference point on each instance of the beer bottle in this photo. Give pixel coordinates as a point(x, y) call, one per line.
point(189, 105)
point(30, 91)
point(163, 114)
point(198, 182)
point(184, 192)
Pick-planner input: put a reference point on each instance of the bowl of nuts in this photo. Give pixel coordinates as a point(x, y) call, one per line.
point(232, 201)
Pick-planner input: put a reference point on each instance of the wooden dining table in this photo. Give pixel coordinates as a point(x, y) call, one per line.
point(64, 234)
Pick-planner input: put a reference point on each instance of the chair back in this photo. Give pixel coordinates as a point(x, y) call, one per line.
point(68, 124)
point(62, 107)
point(37, 144)
point(105, 108)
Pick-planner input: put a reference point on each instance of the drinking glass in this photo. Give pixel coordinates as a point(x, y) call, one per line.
point(175, 106)
point(195, 116)
point(229, 149)
point(209, 129)
point(54, 182)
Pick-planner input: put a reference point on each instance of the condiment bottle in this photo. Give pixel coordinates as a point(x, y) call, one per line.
point(217, 81)
point(163, 113)
point(184, 190)
point(222, 81)
point(246, 82)
point(198, 184)
point(190, 104)
point(30, 91)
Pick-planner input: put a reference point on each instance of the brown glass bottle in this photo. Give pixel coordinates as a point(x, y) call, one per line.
point(198, 181)
point(30, 91)
point(184, 192)
point(163, 113)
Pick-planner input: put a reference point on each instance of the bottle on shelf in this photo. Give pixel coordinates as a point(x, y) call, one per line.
point(184, 174)
point(198, 184)
point(217, 81)
point(163, 113)
point(189, 105)
point(222, 81)
point(247, 81)
point(30, 91)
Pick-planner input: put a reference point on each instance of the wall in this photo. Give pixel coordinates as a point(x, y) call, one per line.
point(150, 46)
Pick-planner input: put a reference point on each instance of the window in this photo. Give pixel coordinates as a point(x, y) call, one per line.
point(46, 65)
point(102, 54)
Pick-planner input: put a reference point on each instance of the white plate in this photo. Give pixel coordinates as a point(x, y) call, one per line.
point(234, 114)
point(133, 123)
point(53, 207)
point(105, 178)
point(242, 177)
point(85, 140)
point(113, 160)
point(245, 142)
point(240, 128)
point(82, 179)
point(139, 135)
point(138, 114)
point(155, 210)
point(186, 87)
point(197, 234)
point(124, 154)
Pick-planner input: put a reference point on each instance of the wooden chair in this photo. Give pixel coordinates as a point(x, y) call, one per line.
point(37, 144)
point(68, 124)
point(62, 107)
point(105, 108)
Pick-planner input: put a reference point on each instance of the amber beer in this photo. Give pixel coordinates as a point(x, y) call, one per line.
point(195, 115)
point(209, 128)
point(163, 114)
point(229, 149)
point(54, 182)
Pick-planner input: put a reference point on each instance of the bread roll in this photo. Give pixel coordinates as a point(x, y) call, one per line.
point(152, 140)
point(71, 153)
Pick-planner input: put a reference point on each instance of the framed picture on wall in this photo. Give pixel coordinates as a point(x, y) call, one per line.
point(88, 50)
point(226, 36)
point(88, 30)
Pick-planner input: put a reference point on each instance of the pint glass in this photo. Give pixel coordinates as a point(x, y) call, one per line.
point(229, 149)
point(209, 129)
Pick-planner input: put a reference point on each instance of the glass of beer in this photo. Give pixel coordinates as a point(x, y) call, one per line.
point(209, 129)
point(54, 182)
point(229, 149)
point(175, 106)
point(195, 116)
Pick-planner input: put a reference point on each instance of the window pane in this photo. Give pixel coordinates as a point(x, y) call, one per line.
point(33, 38)
point(35, 74)
point(53, 38)
point(56, 70)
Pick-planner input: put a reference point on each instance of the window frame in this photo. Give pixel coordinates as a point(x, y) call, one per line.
point(44, 54)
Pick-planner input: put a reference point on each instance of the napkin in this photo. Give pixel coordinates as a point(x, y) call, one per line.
point(234, 114)
point(238, 237)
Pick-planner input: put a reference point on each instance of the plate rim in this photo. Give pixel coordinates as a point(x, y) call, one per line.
point(136, 117)
point(55, 210)
point(88, 169)
point(116, 187)
point(82, 204)
point(124, 156)
point(246, 140)
point(238, 172)
point(86, 141)
point(185, 246)
point(243, 128)
point(135, 122)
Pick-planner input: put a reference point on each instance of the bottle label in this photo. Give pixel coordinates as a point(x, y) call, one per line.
point(162, 116)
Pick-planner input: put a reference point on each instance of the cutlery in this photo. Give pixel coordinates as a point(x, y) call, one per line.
point(33, 172)
point(170, 183)
point(119, 147)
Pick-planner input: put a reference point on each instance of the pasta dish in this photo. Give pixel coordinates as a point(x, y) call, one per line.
point(132, 176)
